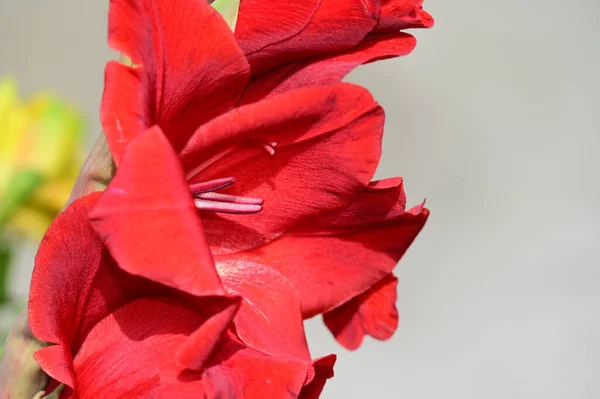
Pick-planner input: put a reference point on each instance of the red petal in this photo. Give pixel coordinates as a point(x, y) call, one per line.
point(327, 69)
point(189, 69)
point(262, 23)
point(125, 111)
point(60, 284)
point(270, 317)
point(337, 25)
point(371, 313)
point(337, 257)
point(63, 274)
point(402, 14)
point(328, 146)
point(128, 350)
point(149, 223)
point(323, 371)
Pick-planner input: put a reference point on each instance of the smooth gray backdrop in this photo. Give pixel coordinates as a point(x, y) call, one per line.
point(495, 119)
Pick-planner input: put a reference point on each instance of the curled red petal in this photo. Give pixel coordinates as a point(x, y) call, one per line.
point(371, 313)
point(148, 221)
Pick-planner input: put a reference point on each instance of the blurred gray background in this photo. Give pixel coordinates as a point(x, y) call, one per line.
point(495, 120)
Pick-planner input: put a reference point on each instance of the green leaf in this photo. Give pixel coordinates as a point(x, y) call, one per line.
point(229, 11)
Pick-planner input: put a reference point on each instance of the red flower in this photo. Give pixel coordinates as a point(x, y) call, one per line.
point(302, 158)
point(321, 224)
point(113, 334)
point(241, 205)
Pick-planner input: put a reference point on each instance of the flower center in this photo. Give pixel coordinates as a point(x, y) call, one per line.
point(207, 199)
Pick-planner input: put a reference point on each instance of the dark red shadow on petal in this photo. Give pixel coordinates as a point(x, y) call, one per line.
point(200, 345)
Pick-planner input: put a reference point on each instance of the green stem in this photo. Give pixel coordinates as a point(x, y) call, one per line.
point(5, 258)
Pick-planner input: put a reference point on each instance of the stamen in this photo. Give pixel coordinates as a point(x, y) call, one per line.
point(204, 194)
point(232, 199)
point(191, 174)
point(226, 207)
point(269, 147)
point(206, 199)
point(211, 185)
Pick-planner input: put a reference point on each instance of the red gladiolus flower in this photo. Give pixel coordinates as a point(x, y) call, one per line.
point(113, 334)
point(254, 174)
point(329, 232)
point(301, 161)
point(242, 204)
